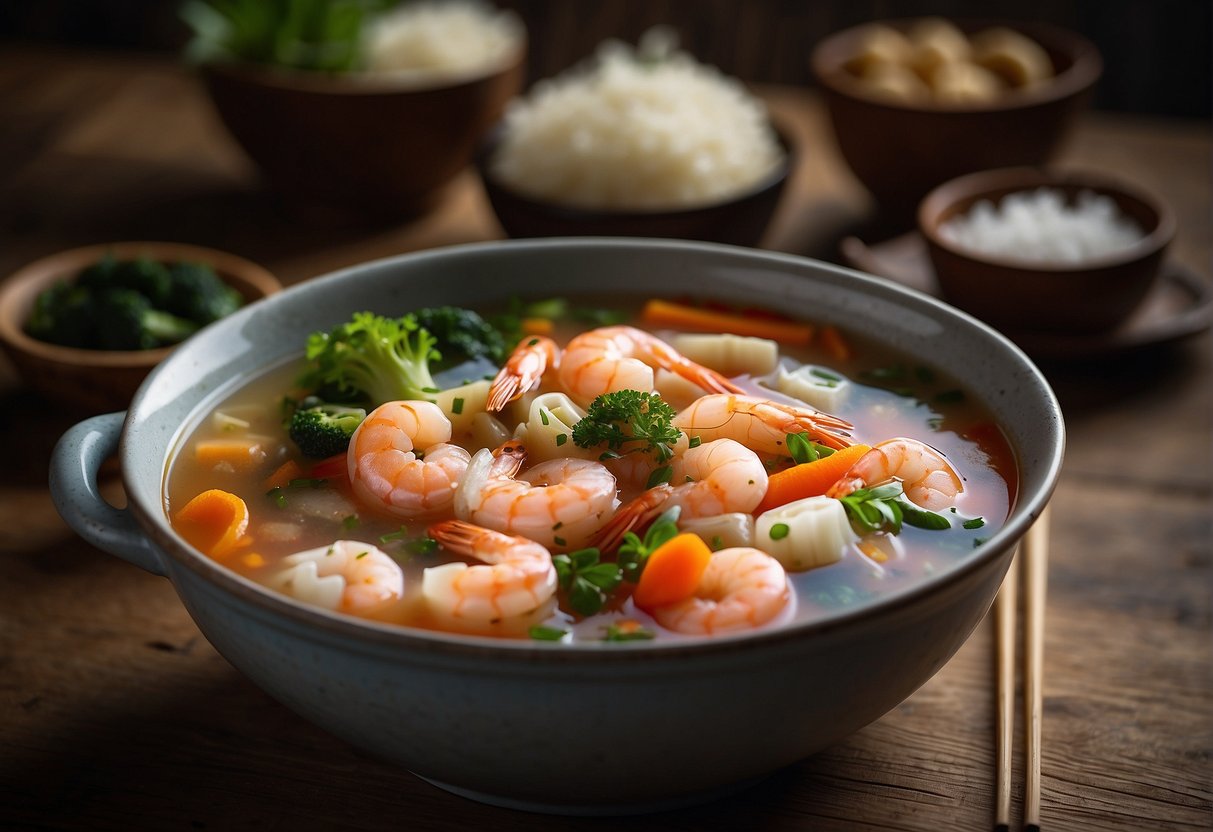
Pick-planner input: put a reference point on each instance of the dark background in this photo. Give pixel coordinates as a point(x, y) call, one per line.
point(1156, 52)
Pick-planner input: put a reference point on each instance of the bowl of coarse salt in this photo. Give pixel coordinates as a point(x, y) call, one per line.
point(1033, 250)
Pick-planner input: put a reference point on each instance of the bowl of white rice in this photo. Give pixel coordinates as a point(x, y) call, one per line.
point(642, 141)
point(381, 140)
point(1027, 249)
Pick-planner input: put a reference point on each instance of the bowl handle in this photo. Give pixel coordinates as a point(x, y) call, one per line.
point(75, 462)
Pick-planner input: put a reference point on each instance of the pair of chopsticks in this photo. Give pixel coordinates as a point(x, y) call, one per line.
point(1034, 556)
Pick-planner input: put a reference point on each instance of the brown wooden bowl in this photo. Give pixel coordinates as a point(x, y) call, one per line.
point(899, 152)
point(1021, 296)
point(740, 220)
point(359, 146)
point(99, 381)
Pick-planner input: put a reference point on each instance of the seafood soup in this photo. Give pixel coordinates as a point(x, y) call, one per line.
point(572, 472)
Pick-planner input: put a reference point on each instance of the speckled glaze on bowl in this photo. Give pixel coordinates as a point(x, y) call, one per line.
point(479, 716)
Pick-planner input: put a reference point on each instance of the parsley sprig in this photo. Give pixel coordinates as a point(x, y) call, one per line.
point(885, 508)
point(586, 580)
point(629, 421)
point(634, 552)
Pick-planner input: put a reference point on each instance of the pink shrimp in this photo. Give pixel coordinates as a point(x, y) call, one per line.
point(401, 462)
point(928, 478)
point(523, 370)
point(760, 424)
point(741, 589)
point(613, 358)
point(558, 503)
point(347, 575)
point(515, 579)
point(715, 478)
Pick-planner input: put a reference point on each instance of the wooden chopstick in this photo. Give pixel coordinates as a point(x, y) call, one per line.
point(1004, 623)
point(1033, 555)
point(1036, 571)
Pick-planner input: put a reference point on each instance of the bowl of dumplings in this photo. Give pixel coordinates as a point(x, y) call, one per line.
point(914, 103)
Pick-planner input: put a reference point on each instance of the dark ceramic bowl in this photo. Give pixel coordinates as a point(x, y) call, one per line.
point(359, 146)
point(899, 151)
point(740, 220)
point(101, 380)
point(672, 721)
point(1021, 296)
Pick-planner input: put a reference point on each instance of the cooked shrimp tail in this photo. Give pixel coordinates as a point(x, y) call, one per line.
point(522, 371)
point(514, 580)
point(634, 516)
point(926, 476)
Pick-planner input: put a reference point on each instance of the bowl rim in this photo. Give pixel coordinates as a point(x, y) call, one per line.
point(62, 264)
point(367, 635)
point(363, 83)
point(1085, 69)
point(772, 181)
point(973, 187)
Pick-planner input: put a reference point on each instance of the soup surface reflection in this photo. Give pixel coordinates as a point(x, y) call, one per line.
point(641, 479)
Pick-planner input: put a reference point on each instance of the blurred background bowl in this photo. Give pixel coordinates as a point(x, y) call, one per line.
point(1089, 296)
point(358, 146)
point(741, 220)
point(900, 151)
point(99, 381)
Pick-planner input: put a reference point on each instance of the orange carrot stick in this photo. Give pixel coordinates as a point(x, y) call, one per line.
point(809, 479)
point(538, 326)
point(281, 478)
point(214, 522)
point(835, 344)
point(241, 454)
point(672, 571)
point(680, 316)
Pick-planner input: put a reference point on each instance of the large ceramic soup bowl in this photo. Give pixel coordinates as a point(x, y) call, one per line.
point(592, 726)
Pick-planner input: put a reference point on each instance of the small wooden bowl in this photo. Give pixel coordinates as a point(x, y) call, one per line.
point(359, 147)
point(901, 151)
point(101, 380)
point(1021, 296)
point(740, 220)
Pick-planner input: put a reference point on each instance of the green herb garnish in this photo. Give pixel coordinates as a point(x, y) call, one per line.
point(585, 580)
point(628, 421)
point(634, 552)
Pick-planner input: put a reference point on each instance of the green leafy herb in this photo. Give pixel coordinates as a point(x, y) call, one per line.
point(585, 580)
point(540, 633)
point(885, 508)
point(659, 476)
point(421, 546)
point(350, 522)
point(802, 449)
point(629, 421)
point(634, 552)
point(974, 523)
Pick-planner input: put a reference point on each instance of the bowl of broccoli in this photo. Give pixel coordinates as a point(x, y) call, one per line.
point(85, 326)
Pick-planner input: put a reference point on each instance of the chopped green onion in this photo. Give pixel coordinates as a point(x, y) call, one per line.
point(779, 531)
point(457, 406)
point(547, 633)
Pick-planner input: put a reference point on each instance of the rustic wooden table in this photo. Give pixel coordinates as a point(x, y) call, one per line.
point(117, 714)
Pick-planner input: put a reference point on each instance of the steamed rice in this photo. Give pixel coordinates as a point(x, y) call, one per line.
point(1039, 225)
point(430, 41)
point(643, 129)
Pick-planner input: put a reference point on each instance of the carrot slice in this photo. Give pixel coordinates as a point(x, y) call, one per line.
point(672, 572)
point(334, 468)
point(214, 522)
point(681, 316)
point(809, 479)
point(281, 478)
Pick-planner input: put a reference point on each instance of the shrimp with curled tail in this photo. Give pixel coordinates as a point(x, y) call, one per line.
point(522, 371)
point(513, 583)
point(719, 477)
point(926, 476)
point(741, 589)
point(401, 461)
point(348, 575)
point(613, 358)
point(559, 503)
point(759, 424)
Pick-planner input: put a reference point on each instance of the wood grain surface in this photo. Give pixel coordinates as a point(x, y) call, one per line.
point(115, 713)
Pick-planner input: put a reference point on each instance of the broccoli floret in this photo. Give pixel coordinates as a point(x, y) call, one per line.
point(462, 334)
point(323, 430)
point(126, 321)
point(63, 314)
point(371, 359)
point(197, 294)
point(144, 275)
